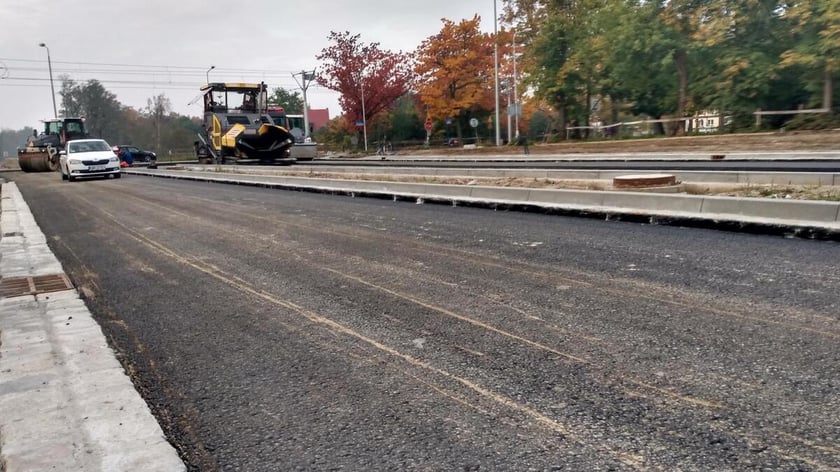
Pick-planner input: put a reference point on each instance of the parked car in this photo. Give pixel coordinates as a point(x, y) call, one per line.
point(131, 154)
point(88, 158)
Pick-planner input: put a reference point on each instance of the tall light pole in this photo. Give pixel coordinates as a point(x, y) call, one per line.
point(506, 83)
point(52, 87)
point(515, 90)
point(207, 74)
point(364, 119)
point(496, 69)
point(306, 79)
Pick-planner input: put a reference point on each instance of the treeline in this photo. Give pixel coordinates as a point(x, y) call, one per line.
point(569, 66)
point(154, 127)
point(601, 59)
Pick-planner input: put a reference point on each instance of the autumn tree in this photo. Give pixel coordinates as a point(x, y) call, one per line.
point(364, 74)
point(292, 102)
point(99, 107)
point(455, 69)
point(816, 24)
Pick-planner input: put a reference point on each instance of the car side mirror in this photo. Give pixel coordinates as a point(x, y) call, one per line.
point(62, 153)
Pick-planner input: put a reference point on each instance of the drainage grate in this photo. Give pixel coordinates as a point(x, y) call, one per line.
point(19, 286)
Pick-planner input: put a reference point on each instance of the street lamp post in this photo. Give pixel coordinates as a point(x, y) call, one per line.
point(507, 89)
point(306, 79)
point(496, 69)
point(515, 91)
point(207, 74)
point(52, 87)
point(364, 119)
point(516, 105)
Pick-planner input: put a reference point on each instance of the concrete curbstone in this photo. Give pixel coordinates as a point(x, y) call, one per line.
point(66, 403)
point(795, 210)
point(814, 219)
point(653, 202)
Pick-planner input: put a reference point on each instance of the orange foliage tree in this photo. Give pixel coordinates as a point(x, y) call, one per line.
point(455, 71)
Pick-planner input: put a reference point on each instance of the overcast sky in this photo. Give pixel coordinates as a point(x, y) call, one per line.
point(140, 48)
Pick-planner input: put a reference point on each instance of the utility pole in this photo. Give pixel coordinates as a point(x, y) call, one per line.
point(496, 69)
point(306, 78)
point(52, 87)
point(509, 130)
point(515, 91)
point(364, 118)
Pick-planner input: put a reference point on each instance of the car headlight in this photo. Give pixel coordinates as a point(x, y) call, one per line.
point(74, 161)
point(114, 159)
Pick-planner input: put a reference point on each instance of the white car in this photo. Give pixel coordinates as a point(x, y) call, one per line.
point(88, 158)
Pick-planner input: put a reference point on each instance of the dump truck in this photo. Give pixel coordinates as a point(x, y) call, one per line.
point(41, 151)
point(237, 126)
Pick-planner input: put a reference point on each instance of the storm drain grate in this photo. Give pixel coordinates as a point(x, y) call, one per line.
point(19, 286)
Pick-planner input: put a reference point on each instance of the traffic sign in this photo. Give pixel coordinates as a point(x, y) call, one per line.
point(474, 122)
point(428, 125)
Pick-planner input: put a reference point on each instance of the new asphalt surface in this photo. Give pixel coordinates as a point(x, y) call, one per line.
point(277, 330)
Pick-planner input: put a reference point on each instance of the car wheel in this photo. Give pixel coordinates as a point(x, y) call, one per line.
point(117, 176)
point(71, 178)
point(63, 175)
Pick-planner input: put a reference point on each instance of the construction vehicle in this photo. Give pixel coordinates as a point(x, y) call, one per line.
point(41, 151)
point(237, 126)
point(304, 149)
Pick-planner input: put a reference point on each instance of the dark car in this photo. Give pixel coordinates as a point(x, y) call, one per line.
point(131, 154)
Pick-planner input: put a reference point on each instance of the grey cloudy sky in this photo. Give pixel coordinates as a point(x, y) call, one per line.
point(140, 48)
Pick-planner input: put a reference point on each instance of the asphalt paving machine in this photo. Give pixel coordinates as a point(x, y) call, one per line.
point(41, 151)
point(237, 126)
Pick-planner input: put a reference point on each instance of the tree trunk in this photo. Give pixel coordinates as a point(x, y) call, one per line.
point(828, 89)
point(560, 103)
point(588, 112)
point(681, 60)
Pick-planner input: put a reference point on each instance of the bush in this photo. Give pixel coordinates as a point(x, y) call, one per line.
point(813, 121)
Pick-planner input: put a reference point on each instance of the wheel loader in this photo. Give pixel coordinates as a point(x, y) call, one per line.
point(237, 126)
point(41, 151)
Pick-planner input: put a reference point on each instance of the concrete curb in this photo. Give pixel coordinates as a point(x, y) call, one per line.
point(812, 219)
point(687, 176)
point(65, 401)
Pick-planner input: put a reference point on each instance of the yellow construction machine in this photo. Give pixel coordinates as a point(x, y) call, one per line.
point(237, 126)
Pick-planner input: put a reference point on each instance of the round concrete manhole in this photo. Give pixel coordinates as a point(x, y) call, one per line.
point(644, 181)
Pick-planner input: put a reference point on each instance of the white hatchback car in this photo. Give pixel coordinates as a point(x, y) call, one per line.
point(88, 158)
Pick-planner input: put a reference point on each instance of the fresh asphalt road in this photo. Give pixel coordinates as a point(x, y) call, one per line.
point(276, 330)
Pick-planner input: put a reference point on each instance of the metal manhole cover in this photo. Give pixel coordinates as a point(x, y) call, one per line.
point(19, 286)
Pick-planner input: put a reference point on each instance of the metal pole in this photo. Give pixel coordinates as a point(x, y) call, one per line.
point(306, 78)
point(515, 90)
point(207, 74)
point(496, 70)
point(508, 114)
point(364, 119)
point(52, 87)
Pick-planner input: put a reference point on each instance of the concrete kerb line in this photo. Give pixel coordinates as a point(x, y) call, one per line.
point(662, 209)
point(66, 403)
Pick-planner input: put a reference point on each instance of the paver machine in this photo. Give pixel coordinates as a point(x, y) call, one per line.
point(237, 126)
point(41, 151)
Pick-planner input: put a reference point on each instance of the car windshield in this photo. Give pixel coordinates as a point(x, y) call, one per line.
point(89, 146)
